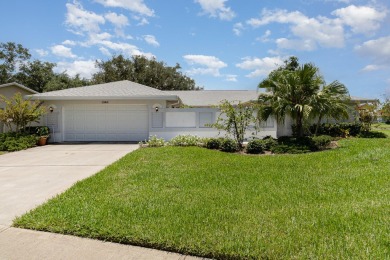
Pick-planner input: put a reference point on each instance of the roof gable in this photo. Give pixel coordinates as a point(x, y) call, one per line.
point(115, 90)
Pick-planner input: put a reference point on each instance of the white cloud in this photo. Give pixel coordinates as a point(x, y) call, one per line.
point(42, 52)
point(361, 19)
point(238, 28)
point(69, 42)
point(141, 20)
point(80, 20)
point(105, 51)
point(150, 39)
point(264, 37)
point(371, 67)
point(117, 20)
point(125, 48)
point(217, 8)
point(205, 65)
point(378, 50)
point(136, 6)
point(296, 44)
point(97, 38)
point(231, 78)
point(310, 31)
point(260, 66)
point(85, 68)
point(62, 51)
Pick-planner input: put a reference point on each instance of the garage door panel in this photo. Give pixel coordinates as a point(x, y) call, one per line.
point(106, 123)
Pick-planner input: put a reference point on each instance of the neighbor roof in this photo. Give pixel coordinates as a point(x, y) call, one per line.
point(207, 98)
point(19, 86)
point(115, 90)
point(360, 99)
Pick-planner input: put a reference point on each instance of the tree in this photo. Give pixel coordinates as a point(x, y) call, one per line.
point(235, 120)
point(367, 115)
point(36, 74)
point(331, 102)
point(11, 54)
point(149, 72)
point(19, 112)
point(290, 92)
point(385, 111)
point(64, 81)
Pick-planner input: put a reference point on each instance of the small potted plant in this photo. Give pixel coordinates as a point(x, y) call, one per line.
point(43, 132)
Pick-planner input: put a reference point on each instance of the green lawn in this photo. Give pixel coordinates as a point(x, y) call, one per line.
point(327, 205)
point(381, 127)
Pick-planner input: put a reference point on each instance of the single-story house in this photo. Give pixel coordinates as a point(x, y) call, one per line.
point(128, 111)
point(9, 90)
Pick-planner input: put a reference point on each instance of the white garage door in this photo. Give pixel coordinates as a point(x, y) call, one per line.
point(105, 122)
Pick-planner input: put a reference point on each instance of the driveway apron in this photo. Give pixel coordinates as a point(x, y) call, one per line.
point(29, 178)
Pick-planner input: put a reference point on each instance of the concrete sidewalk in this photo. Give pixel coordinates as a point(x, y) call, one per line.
point(21, 244)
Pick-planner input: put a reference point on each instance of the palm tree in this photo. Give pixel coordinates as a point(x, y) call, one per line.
point(331, 102)
point(290, 92)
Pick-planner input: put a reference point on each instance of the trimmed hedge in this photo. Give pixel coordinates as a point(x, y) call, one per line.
point(255, 147)
point(229, 145)
point(16, 141)
point(338, 130)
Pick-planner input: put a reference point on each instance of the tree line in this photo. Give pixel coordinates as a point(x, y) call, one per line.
point(17, 65)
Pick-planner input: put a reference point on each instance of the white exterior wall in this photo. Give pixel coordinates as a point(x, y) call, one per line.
point(165, 123)
point(284, 128)
point(55, 120)
point(170, 122)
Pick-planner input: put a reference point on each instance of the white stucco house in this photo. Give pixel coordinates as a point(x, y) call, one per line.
point(128, 111)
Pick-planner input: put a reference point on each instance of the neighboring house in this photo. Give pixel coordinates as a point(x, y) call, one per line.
point(128, 111)
point(9, 90)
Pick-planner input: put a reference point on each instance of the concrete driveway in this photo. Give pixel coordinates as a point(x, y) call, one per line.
point(29, 178)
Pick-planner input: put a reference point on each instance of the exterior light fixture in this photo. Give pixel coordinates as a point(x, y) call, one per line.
point(156, 108)
point(51, 109)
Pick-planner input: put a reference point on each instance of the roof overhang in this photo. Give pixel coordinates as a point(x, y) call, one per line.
point(167, 97)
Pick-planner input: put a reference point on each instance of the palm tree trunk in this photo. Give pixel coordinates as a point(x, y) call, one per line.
point(299, 125)
point(318, 125)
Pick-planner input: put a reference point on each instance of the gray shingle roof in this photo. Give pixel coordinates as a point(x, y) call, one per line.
point(206, 98)
point(115, 90)
point(360, 99)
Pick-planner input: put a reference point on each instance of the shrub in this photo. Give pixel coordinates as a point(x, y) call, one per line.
point(321, 142)
point(338, 130)
point(287, 144)
point(372, 134)
point(269, 142)
point(43, 131)
point(16, 141)
point(255, 146)
point(292, 149)
point(229, 145)
point(214, 143)
point(154, 141)
point(185, 140)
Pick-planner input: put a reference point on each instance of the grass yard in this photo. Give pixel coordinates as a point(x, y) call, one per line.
point(329, 205)
point(382, 127)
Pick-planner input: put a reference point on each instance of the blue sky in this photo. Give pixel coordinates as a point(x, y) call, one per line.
point(222, 44)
